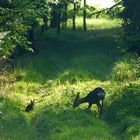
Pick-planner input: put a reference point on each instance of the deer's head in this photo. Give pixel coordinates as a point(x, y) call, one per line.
point(76, 101)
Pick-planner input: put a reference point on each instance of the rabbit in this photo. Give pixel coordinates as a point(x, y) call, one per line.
point(30, 106)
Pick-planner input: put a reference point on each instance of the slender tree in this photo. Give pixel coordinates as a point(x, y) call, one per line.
point(74, 13)
point(53, 21)
point(45, 25)
point(84, 17)
point(65, 14)
point(58, 21)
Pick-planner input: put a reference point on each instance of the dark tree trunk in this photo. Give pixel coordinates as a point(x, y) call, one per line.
point(32, 35)
point(53, 22)
point(63, 21)
point(45, 26)
point(58, 19)
point(65, 15)
point(84, 17)
point(74, 11)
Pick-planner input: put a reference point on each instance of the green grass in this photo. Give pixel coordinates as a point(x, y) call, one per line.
point(96, 24)
point(68, 63)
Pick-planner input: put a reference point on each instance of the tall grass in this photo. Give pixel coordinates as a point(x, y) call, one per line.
point(68, 63)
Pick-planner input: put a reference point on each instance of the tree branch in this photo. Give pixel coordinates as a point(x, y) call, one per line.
point(107, 9)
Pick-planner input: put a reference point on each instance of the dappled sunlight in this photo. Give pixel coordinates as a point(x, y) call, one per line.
point(96, 23)
point(55, 115)
point(126, 70)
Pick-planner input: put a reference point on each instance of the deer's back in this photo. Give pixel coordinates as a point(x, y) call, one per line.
point(96, 95)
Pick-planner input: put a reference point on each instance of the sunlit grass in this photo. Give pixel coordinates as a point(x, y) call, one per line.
point(68, 63)
point(96, 24)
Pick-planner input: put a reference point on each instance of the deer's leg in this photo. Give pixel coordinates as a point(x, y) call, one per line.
point(89, 106)
point(102, 109)
point(99, 107)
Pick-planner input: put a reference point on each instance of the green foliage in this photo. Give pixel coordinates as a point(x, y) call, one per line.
point(123, 107)
point(123, 110)
point(126, 69)
point(16, 19)
point(130, 39)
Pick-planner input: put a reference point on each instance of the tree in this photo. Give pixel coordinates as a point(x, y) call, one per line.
point(130, 39)
point(74, 13)
point(84, 17)
point(18, 21)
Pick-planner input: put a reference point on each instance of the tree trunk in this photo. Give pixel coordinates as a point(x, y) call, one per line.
point(65, 15)
point(32, 35)
point(45, 26)
point(58, 19)
point(84, 17)
point(74, 11)
point(53, 22)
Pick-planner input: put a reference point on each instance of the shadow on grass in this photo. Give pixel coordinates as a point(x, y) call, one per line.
point(13, 124)
point(48, 124)
point(72, 56)
point(70, 125)
point(54, 121)
point(123, 112)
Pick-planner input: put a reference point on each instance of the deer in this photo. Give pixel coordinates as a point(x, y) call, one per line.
point(93, 97)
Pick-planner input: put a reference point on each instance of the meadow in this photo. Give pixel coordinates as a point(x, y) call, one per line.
point(68, 63)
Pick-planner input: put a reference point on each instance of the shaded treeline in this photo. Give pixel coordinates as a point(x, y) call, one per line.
point(23, 21)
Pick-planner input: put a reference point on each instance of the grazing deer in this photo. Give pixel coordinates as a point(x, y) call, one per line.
point(93, 97)
point(30, 106)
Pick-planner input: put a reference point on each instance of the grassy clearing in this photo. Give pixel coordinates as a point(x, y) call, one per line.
point(96, 24)
point(69, 63)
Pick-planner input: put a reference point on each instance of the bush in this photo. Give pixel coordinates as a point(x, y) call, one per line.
point(130, 39)
point(123, 105)
point(126, 69)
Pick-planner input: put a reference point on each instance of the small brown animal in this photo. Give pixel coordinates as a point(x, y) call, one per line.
point(94, 97)
point(30, 106)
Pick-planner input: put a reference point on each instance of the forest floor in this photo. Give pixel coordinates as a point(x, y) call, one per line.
point(68, 63)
